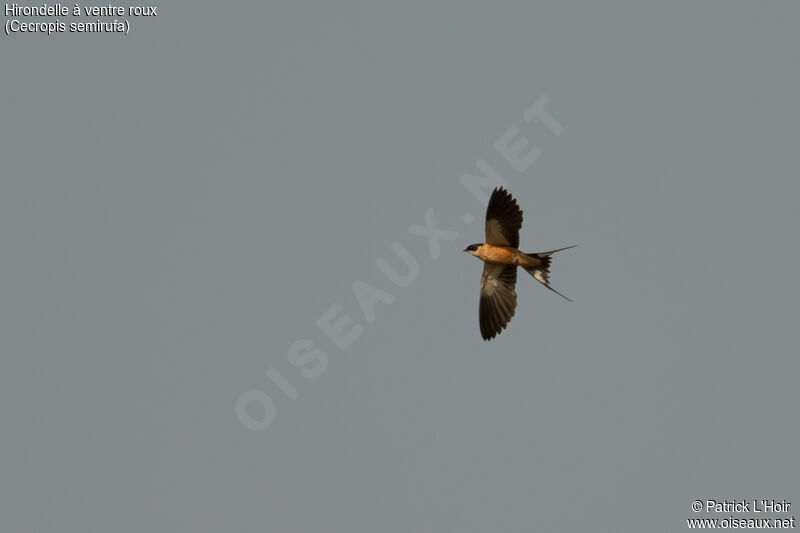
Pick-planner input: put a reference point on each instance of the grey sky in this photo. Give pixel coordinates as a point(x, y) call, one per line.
point(179, 206)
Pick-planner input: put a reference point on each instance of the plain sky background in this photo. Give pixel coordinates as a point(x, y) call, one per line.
point(179, 206)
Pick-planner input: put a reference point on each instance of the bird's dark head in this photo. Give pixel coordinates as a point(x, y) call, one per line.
point(472, 248)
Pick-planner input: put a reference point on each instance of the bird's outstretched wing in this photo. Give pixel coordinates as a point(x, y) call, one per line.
point(503, 219)
point(498, 298)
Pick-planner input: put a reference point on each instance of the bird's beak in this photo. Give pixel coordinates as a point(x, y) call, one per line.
point(464, 250)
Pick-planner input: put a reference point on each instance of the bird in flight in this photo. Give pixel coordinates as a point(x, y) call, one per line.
point(501, 257)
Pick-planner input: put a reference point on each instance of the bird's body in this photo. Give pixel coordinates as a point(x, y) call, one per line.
point(506, 255)
point(501, 257)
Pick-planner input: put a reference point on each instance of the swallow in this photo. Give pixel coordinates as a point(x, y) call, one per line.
point(501, 257)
